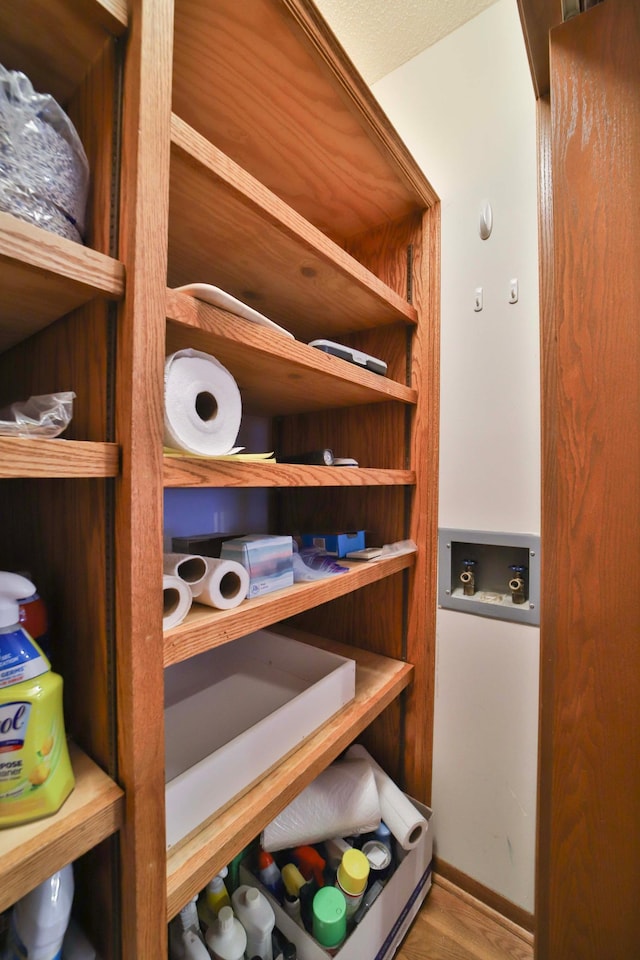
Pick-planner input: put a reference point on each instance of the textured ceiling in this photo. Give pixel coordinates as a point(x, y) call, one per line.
point(380, 35)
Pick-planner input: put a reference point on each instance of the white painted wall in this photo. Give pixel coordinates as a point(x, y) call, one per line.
point(466, 109)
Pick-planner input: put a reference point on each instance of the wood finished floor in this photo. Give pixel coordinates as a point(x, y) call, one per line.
point(452, 925)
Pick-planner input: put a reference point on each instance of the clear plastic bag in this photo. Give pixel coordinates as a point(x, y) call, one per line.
point(44, 416)
point(44, 172)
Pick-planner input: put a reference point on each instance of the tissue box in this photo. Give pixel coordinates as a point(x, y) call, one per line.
point(380, 932)
point(337, 544)
point(268, 560)
point(235, 711)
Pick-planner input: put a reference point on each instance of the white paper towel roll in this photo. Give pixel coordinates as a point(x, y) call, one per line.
point(189, 567)
point(225, 584)
point(341, 801)
point(202, 405)
point(176, 600)
point(406, 823)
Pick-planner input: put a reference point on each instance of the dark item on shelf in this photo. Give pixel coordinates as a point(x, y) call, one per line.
point(319, 458)
point(365, 360)
point(203, 544)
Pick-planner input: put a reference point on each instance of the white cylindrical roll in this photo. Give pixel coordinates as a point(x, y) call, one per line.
point(225, 585)
point(406, 823)
point(340, 802)
point(176, 601)
point(189, 567)
point(202, 405)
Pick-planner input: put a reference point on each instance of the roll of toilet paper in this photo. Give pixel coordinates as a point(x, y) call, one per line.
point(225, 584)
point(189, 567)
point(406, 823)
point(176, 600)
point(340, 802)
point(202, 405)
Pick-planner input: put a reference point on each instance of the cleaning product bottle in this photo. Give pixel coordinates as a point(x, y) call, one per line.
point(256, 915)
point(39, 920)
point(35, 771)
point(351, 879)
point(35, 620)
point(217, 895)
point(270, 875)
point(227, 938)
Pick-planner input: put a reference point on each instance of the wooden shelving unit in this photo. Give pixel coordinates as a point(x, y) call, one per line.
point(32, 852)
point(205, 628)
point(191, 865)
point(230, 144)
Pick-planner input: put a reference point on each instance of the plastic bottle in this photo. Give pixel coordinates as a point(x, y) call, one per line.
point(35, 772)
point(181, 946)
point(256, 915)
point(270, 875)
point(329, 919)
point(34, 619)
point(351, 879)
point(40, 919)
point(216, 894)
point(193, 948)
point(226, 937)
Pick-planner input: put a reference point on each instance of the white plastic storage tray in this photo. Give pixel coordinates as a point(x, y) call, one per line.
point(235, 711)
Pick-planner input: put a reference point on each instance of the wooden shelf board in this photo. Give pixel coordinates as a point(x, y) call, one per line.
point(205, 627)
point(248, 349)
point(24, 457)
point(199, 472)
point(32, 852)
point(55, 41)
point(190, 866)
point(43, 276)
point(227, 229)
point(269, 84)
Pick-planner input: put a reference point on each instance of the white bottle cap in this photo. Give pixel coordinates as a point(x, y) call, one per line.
point(225, 919)
point(13, 587)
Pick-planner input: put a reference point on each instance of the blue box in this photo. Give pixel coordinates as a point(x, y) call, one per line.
point(336, 544)
point(267, 559)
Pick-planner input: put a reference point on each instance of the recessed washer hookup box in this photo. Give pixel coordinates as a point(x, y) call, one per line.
point(337, 544)
point(234, 712)
point(267, 559)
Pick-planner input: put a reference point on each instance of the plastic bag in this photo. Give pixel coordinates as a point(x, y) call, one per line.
point(44, 172)
point(44, 416)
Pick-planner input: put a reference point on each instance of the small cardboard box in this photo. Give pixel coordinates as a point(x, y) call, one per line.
point(380, 932)
point(337, 544)
point(267, 559)
point(233, 712)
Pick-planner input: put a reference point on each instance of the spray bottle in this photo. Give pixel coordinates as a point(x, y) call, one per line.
point(39, 920)
point(35, 771)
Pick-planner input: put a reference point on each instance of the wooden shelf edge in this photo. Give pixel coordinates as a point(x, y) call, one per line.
point(205, 628)
point(252, 193)
point(29, 247)
point(33, 457)
point(111, 14)
point(198, 472)
point(379, 680)
point(218, 325)
point(32, 852)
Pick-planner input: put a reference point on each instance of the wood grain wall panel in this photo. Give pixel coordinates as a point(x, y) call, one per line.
point(374, 434)
point(92, 110)
point(589, 830)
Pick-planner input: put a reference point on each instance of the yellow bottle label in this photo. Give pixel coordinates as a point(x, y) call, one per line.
point(35, 771)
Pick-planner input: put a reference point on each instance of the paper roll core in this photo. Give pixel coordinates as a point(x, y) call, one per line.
point(191, 570)
point(206, 406)
point(170, 601)
point(230, 585)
